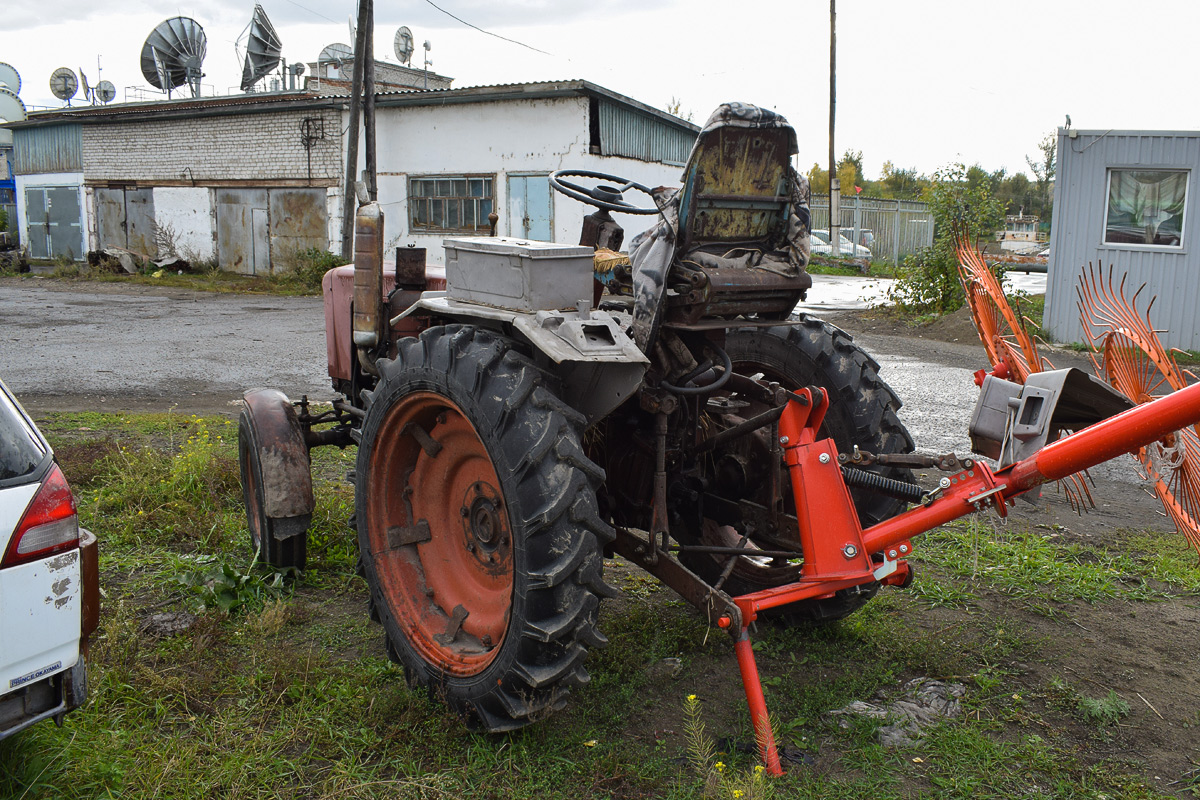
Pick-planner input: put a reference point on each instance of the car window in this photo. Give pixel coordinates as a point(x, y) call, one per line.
point(22, 451)
point(821, 236)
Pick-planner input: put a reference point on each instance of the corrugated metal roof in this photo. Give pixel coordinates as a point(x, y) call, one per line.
point(264, 103)
point(162, 109)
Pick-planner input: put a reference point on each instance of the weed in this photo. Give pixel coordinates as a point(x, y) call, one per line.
point(307, 268)
point(1107, 710)
point(225, 588)
point(715, 778)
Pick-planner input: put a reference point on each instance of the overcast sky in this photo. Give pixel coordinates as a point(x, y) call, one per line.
point(920, 84)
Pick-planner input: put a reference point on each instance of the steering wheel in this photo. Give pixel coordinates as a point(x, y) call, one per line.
point(606, 197)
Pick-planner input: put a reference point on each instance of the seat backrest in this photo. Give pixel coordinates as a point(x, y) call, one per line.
point(735, 187)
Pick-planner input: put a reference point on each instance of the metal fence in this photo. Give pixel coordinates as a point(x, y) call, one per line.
point(894, 228)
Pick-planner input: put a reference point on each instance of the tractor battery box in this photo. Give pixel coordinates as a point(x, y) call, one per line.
point(518, 274)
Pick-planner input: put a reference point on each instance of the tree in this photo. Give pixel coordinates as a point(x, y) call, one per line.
point(900, 184)
point(1043, 171)
point(818, 180)
point(961, 201)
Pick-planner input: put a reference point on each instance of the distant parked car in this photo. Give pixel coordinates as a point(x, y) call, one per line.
point(49, 580)
point(821, 245)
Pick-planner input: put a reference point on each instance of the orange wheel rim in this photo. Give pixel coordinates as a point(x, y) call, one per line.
point(439, 534)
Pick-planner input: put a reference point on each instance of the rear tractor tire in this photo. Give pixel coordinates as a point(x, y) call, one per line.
point(478, 528)
point(862, 412)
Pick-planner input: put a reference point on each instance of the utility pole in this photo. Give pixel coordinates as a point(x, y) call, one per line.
point(356, 94)
point(369, 102)
point(835, 212)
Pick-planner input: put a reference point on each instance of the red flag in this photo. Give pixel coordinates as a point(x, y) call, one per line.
point(858, 190)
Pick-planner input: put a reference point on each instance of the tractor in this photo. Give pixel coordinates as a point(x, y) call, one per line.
point(544, 407)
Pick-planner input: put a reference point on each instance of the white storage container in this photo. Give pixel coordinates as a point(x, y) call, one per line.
point(518, 274)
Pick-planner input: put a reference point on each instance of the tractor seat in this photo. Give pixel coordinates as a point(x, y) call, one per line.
point(740, 227)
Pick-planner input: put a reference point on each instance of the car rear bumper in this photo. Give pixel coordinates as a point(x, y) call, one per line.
point(48, 698)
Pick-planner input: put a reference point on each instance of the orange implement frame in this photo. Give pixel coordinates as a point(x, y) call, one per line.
point(840, 553)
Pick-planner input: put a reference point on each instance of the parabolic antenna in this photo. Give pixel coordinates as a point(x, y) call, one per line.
point(11, 110)
point(9, 78)
point(262, 49)
point(63, 83)
point(404, 44)
point(173, 54)
point(105, 91)
point(337, 53)
point(87, 90)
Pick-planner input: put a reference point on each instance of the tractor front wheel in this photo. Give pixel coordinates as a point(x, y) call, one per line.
point(478, 527)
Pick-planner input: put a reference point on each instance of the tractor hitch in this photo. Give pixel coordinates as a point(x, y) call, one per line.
point(840, 554)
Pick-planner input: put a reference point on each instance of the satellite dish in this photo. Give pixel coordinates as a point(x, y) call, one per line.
point(404, 44)
point(11, 110)
point(337, 52)
point(104, 91)
point(63, 83)
point(9, 78)
point(173, 54)
point(262, 49)
point(353, 30)
point(87, 90)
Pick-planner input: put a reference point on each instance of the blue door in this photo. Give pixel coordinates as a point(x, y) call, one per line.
point(529, 207)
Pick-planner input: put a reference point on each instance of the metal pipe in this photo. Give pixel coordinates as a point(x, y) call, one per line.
point(757, 703)
point(1124, 433)
point(735, 551)
point(754, 423)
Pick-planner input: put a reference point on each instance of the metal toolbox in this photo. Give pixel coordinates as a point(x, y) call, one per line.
point(518, 274)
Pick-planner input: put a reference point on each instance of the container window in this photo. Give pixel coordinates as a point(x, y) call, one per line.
point(1146, 207)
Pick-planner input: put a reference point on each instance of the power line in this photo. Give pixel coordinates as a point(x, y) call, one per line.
point(309, 10)
point(481, 30)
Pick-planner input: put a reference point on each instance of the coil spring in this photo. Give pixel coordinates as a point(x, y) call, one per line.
point(883, 485)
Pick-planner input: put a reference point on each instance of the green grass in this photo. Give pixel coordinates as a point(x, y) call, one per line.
point(287, 691)
point(1042, 572)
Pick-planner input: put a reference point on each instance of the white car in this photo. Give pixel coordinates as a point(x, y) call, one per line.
point(49, 580)
point(821, 246)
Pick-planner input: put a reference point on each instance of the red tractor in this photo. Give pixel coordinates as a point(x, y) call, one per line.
point(545, 407)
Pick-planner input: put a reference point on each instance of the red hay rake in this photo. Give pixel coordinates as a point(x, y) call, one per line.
point(1127, 352)
point(1010, 348)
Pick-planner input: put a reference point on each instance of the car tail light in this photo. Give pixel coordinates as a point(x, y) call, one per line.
point(49, 524)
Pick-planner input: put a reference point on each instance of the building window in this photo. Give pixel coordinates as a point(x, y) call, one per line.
point(1146, 207)
point(452, 203)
